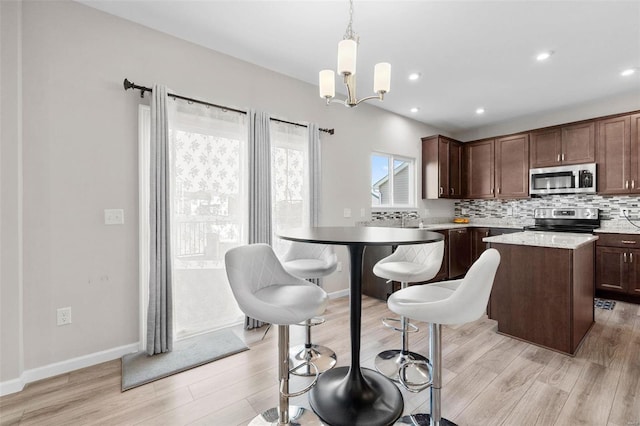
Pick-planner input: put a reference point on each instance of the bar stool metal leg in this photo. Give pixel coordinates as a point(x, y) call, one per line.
point(321, 356)
point(389, 362)
point(284, 414)
point(435, 354)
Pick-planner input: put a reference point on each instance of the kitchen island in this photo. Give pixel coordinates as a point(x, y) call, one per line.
point(544, 288)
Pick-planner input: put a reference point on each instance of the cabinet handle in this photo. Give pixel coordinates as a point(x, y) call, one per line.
point(628, 241)
point(441, 190)
point(499, 191)
point(624, 256)
point(562, 157)
point(558, 157)
point(626, 184)
point(493, 191)
point(452, 191)
point(633, 184)
point(630, 257)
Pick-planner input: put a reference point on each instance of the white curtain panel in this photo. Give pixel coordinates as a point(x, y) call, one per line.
point(259, 178)
point(259, 185)
point(159, 314)
point(314, 174)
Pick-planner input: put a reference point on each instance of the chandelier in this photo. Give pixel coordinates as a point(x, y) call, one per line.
point(347, 50)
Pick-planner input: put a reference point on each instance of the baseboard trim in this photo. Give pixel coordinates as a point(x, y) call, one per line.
point(339, 293)
point(44, 372)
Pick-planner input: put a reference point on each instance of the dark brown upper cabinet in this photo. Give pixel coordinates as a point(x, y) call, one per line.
point(512, 166)
point(441, 167)
point(498, 168)
point(571, 144)
point(618, 144)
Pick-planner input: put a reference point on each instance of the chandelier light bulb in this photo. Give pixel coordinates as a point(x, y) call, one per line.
point(382, 78)
point(327, 84)
point(347, 52)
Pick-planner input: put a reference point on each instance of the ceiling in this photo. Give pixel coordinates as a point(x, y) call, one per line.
point(470, 54)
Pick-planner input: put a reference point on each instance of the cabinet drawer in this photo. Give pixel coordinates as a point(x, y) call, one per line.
point(619, 240)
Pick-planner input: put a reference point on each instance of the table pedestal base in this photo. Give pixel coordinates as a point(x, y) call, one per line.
point(351, 398)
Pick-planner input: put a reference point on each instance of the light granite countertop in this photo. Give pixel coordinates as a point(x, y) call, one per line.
point(562, 240)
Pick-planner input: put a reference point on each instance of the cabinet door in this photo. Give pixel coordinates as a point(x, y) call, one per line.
point(477, 245)
point(633, 282)
point(443, 165)
point(512, 166)
point(614, 156)
point(459, 252)
point(546, 147)
point(611, 268)
point(480, 169)
point(635, 152)
point(579, 143)
point(455, 169)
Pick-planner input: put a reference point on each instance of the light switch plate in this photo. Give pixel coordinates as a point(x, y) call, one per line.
point(347, 212)
point(113, 216)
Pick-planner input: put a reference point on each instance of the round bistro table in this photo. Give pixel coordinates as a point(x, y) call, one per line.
point(353, 396)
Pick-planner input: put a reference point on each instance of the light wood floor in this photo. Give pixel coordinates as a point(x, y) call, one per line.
point(488, 379)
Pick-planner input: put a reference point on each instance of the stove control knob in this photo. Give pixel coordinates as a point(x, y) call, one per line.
point(587, 213)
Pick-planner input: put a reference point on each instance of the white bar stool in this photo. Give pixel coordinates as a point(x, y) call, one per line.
point(311, 261)
point(448, 302)
point(408, 264)
point(266, 292)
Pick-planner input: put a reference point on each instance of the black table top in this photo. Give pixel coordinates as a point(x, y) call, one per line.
point(364, 235)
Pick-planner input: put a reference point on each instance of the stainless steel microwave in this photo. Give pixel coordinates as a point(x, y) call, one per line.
point(563, 179)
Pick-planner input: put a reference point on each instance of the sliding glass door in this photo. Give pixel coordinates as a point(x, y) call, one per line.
point(209, 213)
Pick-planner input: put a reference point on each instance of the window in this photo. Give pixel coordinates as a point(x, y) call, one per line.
point(395, 189)
point(289, 179)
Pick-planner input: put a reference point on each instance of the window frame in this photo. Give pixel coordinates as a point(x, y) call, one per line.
point(412, 180)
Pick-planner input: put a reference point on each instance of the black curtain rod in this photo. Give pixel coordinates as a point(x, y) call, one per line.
point(129, 85)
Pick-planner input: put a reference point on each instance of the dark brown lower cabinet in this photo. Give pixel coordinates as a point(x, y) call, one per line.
point(618, 266)
point(544, 295)
point(459, 251)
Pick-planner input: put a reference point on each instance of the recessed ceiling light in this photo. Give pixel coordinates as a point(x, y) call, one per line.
point(414, 76)
point(415, 109)
point(543, 56)
point(628, 72)
point(480, 111)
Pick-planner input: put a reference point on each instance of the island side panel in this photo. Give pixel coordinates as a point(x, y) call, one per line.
point(583, 292)
point(531, 296)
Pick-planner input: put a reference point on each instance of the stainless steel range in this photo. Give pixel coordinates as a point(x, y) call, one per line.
point(568, 219)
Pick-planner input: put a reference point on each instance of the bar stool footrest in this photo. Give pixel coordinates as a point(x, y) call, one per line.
point(307, 388)
point(411, 328)
point(412, 386)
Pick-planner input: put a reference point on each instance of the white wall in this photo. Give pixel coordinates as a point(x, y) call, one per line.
point(10, 193)
point(80, 156)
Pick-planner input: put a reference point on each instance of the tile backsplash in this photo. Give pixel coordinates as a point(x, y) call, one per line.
point(523, 209)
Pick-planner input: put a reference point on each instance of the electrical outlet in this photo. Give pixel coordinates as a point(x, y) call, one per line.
point(339, 268)
point(64, 316)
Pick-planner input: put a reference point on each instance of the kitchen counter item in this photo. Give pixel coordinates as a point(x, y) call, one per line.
point(562, 240)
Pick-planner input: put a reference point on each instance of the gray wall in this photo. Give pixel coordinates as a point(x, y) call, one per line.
point(79, 147)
